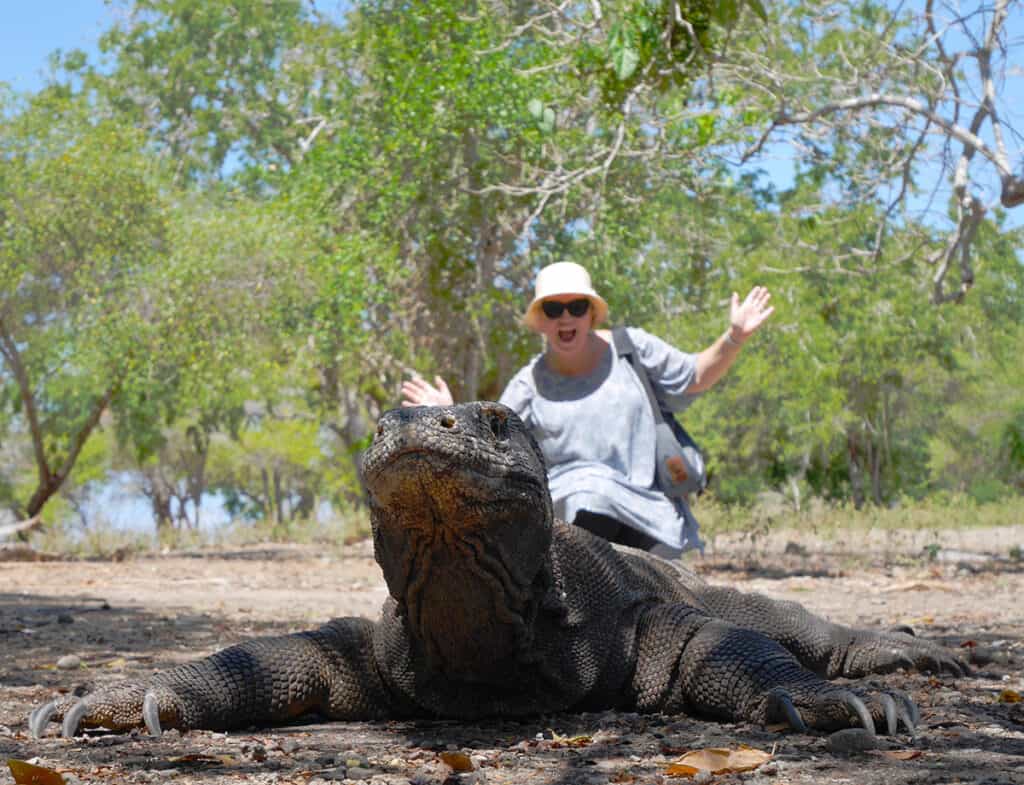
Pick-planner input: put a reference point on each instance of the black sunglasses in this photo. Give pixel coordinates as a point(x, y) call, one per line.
point(553, 308)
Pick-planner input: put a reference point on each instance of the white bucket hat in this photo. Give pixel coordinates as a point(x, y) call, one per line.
point(559, 279)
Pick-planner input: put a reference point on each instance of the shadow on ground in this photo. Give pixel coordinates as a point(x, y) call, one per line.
point(967, 734)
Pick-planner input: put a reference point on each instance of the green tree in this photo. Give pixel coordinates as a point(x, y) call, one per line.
point(82, 220)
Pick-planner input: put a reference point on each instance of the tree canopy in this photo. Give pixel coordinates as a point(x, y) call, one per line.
point(227, 239)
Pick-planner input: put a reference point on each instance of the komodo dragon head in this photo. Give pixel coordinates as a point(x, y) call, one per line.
point(462, 522)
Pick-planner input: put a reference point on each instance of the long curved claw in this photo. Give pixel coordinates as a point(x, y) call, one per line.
point(780, 706)
point(72, 718)
point(906, 629)
point(40, 718)
point(857, 707)
point(897, 660)
point(907, 710)
point(943, 663)
point(151, 714)
point(959, 668)
point(892, 722)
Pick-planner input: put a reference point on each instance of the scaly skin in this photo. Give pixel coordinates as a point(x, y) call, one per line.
point(498, 609)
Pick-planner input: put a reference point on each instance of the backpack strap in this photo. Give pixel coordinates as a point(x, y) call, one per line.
point(624, 348)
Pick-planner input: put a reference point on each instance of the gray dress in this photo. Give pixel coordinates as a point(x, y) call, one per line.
point(597, 435)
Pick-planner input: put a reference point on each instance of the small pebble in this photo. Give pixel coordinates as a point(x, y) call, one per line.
point(69, 662)
point(851, 741)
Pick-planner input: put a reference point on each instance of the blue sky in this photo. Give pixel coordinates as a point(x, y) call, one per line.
point(31, 31)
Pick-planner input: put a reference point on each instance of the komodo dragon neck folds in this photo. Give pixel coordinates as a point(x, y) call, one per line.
point(496, 608)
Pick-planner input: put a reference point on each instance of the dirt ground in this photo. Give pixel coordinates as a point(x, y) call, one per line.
point(125, 619)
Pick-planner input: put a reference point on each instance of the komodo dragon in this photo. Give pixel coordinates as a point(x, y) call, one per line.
point(496, 608)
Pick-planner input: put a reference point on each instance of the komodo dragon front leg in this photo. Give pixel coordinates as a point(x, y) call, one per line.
point(830, 650)
point(690, 661)
point(259, 682)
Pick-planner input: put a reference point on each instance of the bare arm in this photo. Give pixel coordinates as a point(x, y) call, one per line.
point(744, 320)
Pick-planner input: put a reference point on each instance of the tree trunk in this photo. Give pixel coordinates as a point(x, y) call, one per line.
point(268, 508)
point(856, 472)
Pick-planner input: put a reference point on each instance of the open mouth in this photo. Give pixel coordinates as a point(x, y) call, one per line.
point(566, 334)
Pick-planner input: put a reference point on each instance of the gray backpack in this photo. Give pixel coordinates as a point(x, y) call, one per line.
point(679, 464)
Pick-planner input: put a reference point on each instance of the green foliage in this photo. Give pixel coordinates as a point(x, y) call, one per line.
point(234, 237)
point(83, 224)
point(212, 78)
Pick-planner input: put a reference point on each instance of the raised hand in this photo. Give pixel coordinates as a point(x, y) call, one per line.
point(417, 391)
point(745, 318)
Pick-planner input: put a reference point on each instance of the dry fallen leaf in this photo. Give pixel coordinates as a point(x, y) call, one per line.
point(117, 662)
point(28, 774)
point(903, 754)
point(1009, 696)
point(459, 761)
point(557, 742)
point(718, 761)
point(916, 586)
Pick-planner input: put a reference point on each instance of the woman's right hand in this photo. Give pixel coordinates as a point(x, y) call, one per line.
point(417, 391)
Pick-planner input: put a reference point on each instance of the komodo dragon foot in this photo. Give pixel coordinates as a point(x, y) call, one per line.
point(120, 708)
point(884, 652)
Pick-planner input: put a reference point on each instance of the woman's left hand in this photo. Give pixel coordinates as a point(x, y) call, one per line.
point(745, 318)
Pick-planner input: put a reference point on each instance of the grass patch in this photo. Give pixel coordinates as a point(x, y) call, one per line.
point(939, 513)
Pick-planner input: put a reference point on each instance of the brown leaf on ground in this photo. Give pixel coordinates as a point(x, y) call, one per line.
point(718, 761)
point(459, 761)
point(28, 774)
point(917, 586)
point(1009, 696)
point(903, 754)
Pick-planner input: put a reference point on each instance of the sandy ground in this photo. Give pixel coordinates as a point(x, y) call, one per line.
point(125, 619)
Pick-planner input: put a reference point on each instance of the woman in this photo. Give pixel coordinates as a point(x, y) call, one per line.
point(589, 412)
